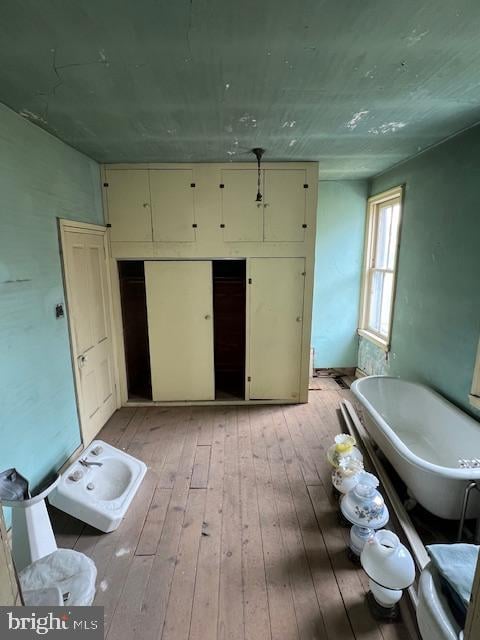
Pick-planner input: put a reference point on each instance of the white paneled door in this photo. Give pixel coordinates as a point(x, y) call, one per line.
point(180, 329)
point(86, 279)
point(276, 288)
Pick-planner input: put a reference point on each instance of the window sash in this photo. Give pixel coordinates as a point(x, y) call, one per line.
point(380, 329)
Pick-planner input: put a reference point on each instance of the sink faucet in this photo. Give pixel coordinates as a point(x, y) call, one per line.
point(87, 463)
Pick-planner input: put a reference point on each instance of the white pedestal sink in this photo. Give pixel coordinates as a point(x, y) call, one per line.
point(32, 534)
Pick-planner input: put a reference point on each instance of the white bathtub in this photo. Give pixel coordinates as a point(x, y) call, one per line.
point(423, 436)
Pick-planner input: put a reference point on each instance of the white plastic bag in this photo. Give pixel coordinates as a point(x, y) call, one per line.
point(73, 572)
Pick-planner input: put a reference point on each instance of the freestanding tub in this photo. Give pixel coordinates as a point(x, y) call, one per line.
point(424, 437)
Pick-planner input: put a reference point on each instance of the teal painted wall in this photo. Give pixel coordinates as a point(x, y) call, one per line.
point(436, 323)
point(40, 178)
point(338, 264)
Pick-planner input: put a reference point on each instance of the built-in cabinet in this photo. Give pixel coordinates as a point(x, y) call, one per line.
point(183, 224)
point(163, 205)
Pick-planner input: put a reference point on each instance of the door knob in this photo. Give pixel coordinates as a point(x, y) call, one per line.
point(81, 361)
point(299, 318)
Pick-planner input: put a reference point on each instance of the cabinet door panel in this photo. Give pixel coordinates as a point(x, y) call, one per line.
point(173, 205)
point(285, 205)
point(128, 199)
point(241, 215)
point(276, 321)
point(180, 329)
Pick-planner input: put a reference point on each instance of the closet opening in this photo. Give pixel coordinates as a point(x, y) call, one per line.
point(135, 329)
point(229, 313)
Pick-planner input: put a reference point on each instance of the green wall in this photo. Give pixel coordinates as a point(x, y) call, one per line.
point(436, 323)
point(338, 263)
point(41, 179)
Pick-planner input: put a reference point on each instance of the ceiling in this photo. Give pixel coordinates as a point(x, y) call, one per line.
point(356, 85)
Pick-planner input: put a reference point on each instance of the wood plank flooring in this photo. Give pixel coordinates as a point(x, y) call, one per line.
point(233, 533)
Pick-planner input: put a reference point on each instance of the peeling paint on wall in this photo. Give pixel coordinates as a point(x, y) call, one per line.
point(371, 359)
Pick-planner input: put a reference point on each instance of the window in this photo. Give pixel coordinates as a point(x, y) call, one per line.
point(381, 249)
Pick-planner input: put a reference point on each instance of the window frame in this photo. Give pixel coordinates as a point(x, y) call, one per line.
point(474, 395)
point(371, 230)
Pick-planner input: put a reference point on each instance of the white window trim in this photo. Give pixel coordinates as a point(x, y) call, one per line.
point(475, 391)
point(377, 339)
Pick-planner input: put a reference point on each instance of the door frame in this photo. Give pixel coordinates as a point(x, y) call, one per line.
point(65, 225)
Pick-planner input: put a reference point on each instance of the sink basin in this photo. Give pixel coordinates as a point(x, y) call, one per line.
point(110, 481)
point(99, 487)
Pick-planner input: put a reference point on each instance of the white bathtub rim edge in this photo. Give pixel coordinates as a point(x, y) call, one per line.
point(470, 474)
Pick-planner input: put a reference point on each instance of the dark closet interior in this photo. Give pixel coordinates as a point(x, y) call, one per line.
point(135, 329)
point(229, 296)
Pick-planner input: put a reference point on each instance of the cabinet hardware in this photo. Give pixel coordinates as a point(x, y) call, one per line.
point(304, 226)
point(249, 281)
point(222, 186)
point(259, 205)
point(194, 225)
point(108, 225)
point(304, 273)
point(105, 184)
point(192, 184)
point(145, 205)
point(305, 186)
point(222, 226)
point(299, 318)
point(249, 379)
point(207, 317)
point(266, 205)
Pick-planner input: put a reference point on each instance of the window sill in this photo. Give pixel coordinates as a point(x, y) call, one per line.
point(381, 344)
point(474, 401)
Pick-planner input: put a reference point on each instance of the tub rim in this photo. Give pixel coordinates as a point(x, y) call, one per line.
point(470, 474)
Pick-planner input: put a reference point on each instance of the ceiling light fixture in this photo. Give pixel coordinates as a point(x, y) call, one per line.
point(258, 152)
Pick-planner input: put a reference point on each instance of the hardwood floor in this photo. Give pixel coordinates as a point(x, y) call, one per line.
point(233, 533)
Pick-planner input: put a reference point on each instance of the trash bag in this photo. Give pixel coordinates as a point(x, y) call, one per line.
point(13, 486)
point(73, 572)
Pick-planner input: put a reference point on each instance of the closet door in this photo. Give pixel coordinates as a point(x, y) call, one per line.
point(285, 205)
point(276, 310)
point(241, 215)
point(180, 329)
point(128, 201)
point(173, 205)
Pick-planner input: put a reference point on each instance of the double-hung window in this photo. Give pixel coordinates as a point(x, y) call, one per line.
point(380, 266)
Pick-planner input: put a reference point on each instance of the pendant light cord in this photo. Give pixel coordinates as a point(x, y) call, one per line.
point(259, 153)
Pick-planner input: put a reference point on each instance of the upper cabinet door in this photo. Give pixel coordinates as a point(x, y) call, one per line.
point(241, 215)
point(284, 205)
point(173, 205)
point(128, 200)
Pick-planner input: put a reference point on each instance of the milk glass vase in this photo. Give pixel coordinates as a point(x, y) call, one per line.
point(347, 474)
point(365, 508)
point(343, 447)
